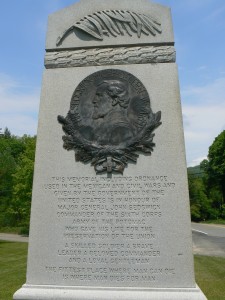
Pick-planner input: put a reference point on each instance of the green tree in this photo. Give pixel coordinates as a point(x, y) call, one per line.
point(214, 168)
point(10, 149)
point(216, 157)
point(201, 204)
point(7, 167)
point(7, 133)
point(22, 185)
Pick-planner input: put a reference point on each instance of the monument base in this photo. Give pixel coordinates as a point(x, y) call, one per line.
point(40, 292)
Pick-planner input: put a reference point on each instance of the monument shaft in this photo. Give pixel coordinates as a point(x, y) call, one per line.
point(110, 209)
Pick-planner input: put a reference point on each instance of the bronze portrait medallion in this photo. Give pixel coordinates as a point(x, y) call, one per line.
point(109, 121)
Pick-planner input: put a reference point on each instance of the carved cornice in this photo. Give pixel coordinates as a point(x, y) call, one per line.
point(110, 56)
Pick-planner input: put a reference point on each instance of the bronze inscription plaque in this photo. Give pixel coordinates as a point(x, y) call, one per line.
point(109, 121)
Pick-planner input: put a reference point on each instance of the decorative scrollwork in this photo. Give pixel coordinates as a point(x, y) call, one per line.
point(114, 23)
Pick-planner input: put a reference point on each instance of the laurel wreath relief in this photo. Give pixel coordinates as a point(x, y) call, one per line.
point(108, 158)
point(114, 23)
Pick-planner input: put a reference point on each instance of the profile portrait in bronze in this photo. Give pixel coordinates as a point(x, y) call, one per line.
point(109, 121)
point(110, 104)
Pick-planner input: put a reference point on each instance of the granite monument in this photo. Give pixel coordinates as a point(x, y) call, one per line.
point(110, 210)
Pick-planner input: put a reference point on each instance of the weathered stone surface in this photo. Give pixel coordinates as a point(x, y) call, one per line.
point(70, 197)
point(110, 56)
point(125, 231)
point(110, 235)
point(70, 293)
point(60, 21)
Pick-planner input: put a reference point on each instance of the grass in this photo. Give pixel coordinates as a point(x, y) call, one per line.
point(15, 230)
point(218, 221)
point(13, 261)
point(210, 276)
point(209, 271)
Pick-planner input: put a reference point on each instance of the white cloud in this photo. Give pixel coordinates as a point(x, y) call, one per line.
point(215, 13)
point(213, 92)
point(6, 83)
point(196, 161)
point(19, 124)
point(204, 114)
point(18, 106)
point(202, 68)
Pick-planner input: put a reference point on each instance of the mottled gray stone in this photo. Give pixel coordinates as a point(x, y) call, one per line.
point(110, 236)
point(171, 231)
point(110, 56)
point(63, 19)
point(70, 293)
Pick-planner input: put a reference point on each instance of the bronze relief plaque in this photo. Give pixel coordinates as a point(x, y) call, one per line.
point(109, 121)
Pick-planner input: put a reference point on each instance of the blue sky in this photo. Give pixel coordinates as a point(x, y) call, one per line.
point(199, 27)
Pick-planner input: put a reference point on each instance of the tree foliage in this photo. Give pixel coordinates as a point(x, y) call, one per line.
point(10, 149)
point(7, 167)
point(16, 175)
point(201, 205)
point(214, 168)
point(207, 199)
point(22, 184)
point(216, 162)
point(206, 184)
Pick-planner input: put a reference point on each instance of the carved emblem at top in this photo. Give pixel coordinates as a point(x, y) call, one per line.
point(114, 23)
